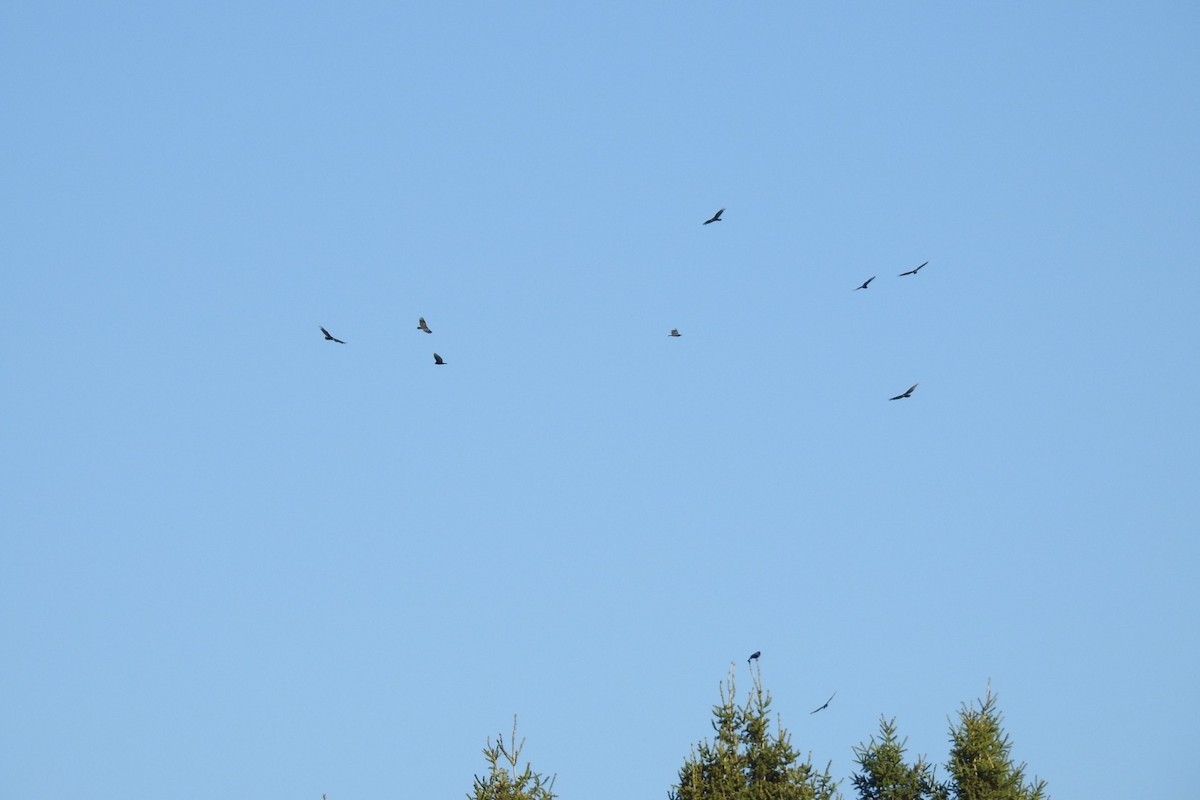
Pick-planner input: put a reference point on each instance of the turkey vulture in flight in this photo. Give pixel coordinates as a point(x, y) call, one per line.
point(421, 326)
point(825, 706)
point(437, 360)
point(330, 337)
point(754, 655)
point(675, 332)
point(913, 271)
point(714, 218)
point(866, 283)
point(905, 394)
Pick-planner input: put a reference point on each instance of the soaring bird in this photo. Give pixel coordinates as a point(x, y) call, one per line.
point(905, 394)
point(421, 326)
point(715, 217)
point(913, 271)
point(825, 705)
point(675, 332)
point(754, 656)
point(437, 360)
point(330, 337)
point(866, 283)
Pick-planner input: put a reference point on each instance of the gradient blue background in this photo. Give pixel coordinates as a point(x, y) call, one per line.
point(240, 561)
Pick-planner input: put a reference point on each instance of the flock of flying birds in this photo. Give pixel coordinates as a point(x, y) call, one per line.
point(907, 392)
point(439, 361)
point(421, 326)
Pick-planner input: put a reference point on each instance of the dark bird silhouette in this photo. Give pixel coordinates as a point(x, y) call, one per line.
point(437, 360)
point(913, 271)
point(754, 656)
point(715, 217)
point(421, 326)
point(675, 332)
point(825, 705)
point(866, 283)
point(330, 337)
point(905, 394)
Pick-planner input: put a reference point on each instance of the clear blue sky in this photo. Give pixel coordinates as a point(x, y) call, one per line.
point(240, 561)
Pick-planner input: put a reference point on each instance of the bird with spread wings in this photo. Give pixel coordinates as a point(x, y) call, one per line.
point(825, 705)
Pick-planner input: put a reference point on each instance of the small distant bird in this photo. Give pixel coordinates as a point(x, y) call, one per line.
point(715, 217)
point(754, 656)
point(825, 705)
point(421, 326)
point(905, 394)
point(675, 332)
point(330, 337)
point(913, 271)
point(866, 283)
point(437, 360)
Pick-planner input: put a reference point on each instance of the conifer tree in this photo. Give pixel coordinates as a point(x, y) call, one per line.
point(981, 766)
point(745, 760)
point(886, 776)
point(504, 781)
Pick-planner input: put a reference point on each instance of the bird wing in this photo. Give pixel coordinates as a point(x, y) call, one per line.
point(824, 705)
point(869, 280)
point(910, 389)
point(327, 335)
point(437, 359)
point(920, 267)
point(718, 214)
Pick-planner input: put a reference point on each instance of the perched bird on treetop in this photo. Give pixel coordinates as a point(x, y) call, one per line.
point(753, 656)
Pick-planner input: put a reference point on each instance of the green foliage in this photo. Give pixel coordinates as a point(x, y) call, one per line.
point(504, 781)
point(745, 761)
point(981, 766)
point(886, 776)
